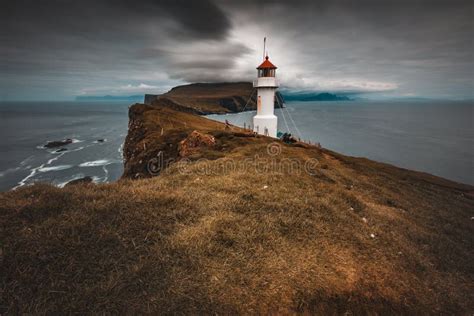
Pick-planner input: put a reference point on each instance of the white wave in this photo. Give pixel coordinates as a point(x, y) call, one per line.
point(42, 167)
point(74, 177)
point(77, 149)
point(95, 163)
point(62, 153)
point(72, 150)
point(55, 168)
point(34, 171)
point(106, 172)
point(32, 174)
point(50, 161)
point(95, 179)
point(120, 149)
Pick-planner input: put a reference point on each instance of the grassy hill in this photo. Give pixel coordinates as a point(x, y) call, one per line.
point(247, 225)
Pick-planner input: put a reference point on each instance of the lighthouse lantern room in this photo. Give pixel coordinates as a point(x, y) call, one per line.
point(265, 121)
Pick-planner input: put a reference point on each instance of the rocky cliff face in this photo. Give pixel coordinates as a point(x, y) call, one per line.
point(150, 98)
point(210, 98)
point(147, 138)
point(155, 133)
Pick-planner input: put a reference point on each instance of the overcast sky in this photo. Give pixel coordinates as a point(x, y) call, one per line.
point(59, 49)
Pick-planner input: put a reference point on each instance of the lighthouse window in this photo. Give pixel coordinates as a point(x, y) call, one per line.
point(266, 72)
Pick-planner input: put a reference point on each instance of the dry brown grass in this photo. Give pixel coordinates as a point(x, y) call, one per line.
point(187, 242)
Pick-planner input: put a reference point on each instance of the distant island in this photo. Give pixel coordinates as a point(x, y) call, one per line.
point(313, 96)
point(110, 98)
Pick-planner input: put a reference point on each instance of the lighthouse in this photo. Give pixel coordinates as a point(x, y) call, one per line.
point(265, 121)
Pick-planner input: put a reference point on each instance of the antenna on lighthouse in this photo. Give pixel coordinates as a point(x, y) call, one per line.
point(264, 43)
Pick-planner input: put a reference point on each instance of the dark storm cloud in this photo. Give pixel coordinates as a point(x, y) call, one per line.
point(198, 19)
point(205, 62)
point(60, 40)
point(70, 46)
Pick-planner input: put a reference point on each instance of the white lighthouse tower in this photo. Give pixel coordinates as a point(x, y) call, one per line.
point(265, 122)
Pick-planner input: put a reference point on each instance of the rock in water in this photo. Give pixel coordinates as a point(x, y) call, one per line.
point(61, 150)
point(58, 143)
point(80, 181)
point(194, 142)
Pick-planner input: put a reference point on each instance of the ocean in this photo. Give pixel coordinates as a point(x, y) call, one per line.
point(435, 137)
point(26, 127)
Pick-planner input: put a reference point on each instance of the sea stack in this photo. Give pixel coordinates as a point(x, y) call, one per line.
point(265, 121)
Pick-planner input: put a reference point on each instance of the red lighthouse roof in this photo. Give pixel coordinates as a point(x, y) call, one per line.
point(267, 65)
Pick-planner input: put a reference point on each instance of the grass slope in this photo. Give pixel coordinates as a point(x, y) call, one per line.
point(205, 238)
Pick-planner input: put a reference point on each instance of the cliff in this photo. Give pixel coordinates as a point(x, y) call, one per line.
point(210, 98)
point(218, 221)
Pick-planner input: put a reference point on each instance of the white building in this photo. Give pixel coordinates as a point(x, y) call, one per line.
point(265, 122)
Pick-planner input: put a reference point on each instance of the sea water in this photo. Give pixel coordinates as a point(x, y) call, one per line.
point(431, 136)
point(98, 130)
point(435, 137)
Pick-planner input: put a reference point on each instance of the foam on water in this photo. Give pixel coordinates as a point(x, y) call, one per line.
point(106, 172)
point(54, 168)
point(95, 179)
point(96, 163)
point(74, 177)
point(100, 142)
point(31, 175)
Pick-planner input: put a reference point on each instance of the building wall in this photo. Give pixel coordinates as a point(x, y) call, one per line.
point(265, 119)
point(267, 99)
